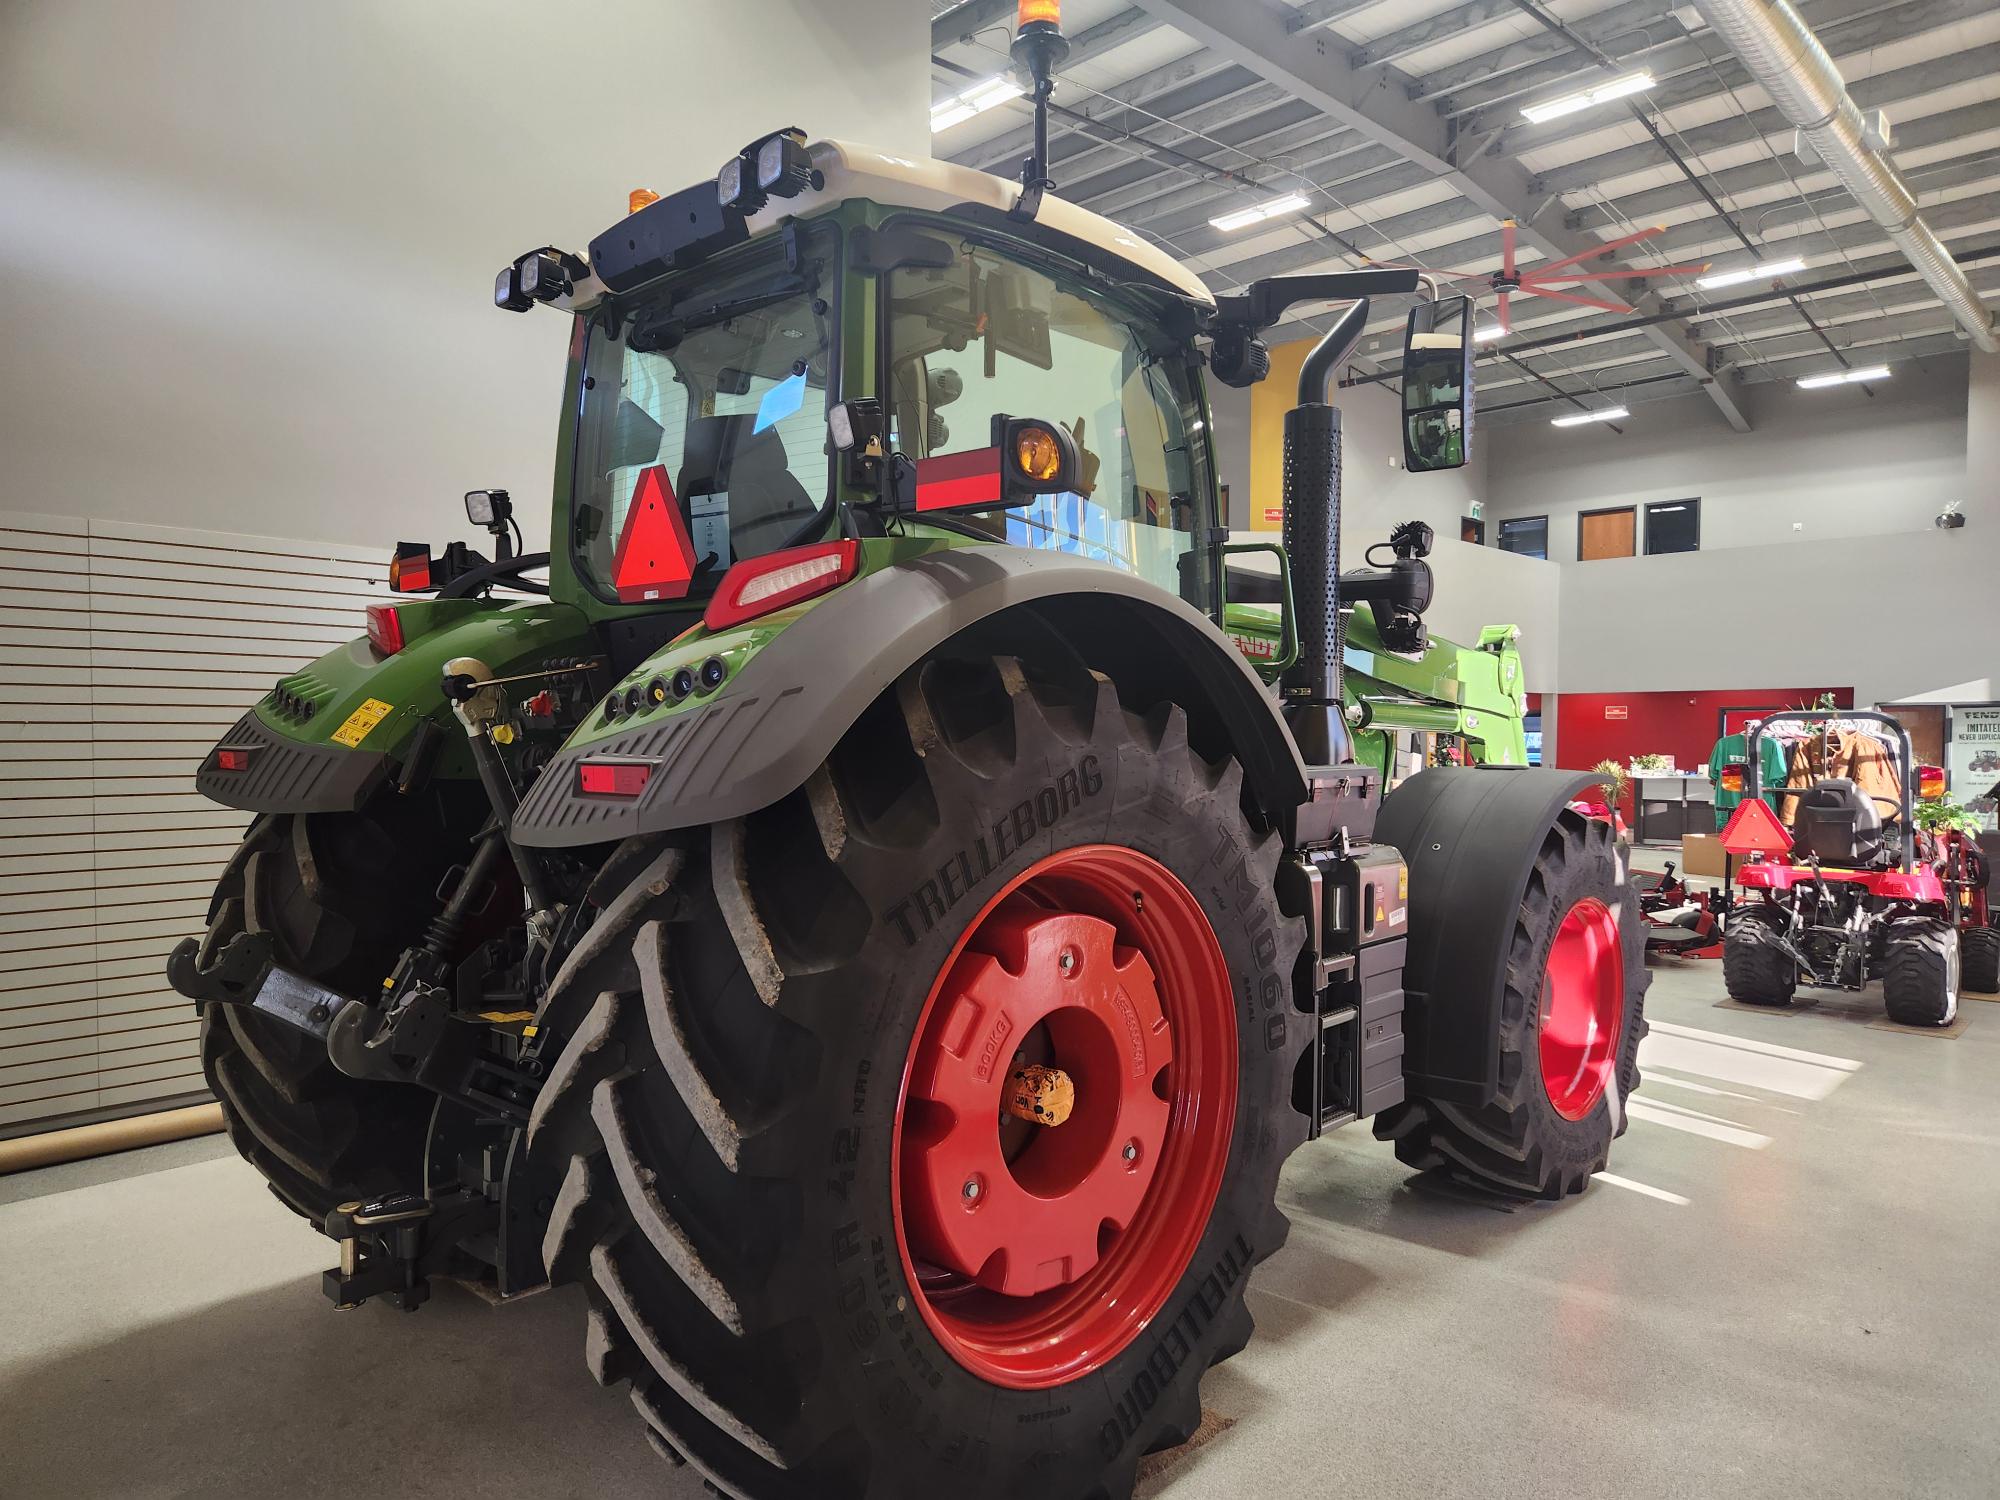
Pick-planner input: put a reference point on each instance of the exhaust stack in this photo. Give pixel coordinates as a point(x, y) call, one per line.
point(1311, 688)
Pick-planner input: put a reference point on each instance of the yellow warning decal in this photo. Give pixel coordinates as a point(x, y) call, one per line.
point(363, 719)
point(1403, 883)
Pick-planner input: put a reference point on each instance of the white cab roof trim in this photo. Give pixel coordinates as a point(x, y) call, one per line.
point(853, 171)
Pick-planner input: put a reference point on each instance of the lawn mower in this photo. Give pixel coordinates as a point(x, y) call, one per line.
point(1680, 922)
point(1848, 896)
point(863, 918)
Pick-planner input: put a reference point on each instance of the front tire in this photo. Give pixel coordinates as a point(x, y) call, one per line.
point(1572, 1014)
point(1920, 975)
point(780, 1067)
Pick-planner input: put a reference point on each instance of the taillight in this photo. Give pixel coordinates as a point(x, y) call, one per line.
point(760, 585)
point(385, 628)
point(1930, 783)
point(613, 778)
point(1734, 778)
point(410, 568)
point(232, 760)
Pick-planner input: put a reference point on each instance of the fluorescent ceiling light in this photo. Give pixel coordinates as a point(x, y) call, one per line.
point(1569, 104)
point(1243, 218)
point(1486, 333)
point(1769, 270)
point(1844, 377)
point(1577, 419)
point(976, 100)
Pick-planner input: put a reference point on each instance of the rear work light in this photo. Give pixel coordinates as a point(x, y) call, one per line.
point(761, 585)
point(613, 778)
point(385, 628)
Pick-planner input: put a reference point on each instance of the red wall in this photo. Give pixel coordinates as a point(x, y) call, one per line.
point(1682, 725)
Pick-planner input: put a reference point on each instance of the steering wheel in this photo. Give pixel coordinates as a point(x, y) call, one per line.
point(507, 571)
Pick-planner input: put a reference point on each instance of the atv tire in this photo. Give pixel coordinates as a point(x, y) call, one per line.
point(1551, 1125)
point(745, 1114)
point(1756, 969)
point(1979, 959)
point(335, 893)
point(1920, 975)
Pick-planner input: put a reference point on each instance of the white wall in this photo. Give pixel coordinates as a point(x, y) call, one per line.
point(1815, 464)
point(250, 248)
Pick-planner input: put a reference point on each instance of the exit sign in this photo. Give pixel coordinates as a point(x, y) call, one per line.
point(1616, 711)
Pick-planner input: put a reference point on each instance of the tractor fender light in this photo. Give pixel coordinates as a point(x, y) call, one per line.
point(1734, 779)
point(761, 585)
point(385, 628)
point(410, 568)
point(613, 778)
point(1930, 783)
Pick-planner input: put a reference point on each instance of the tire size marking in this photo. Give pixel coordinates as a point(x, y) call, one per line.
point(920, 912)
point(1239, 892)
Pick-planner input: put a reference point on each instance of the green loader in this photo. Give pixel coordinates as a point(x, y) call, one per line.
point(851, 902)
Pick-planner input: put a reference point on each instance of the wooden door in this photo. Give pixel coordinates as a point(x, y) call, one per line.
point(1925, 721)
point(1607, 533)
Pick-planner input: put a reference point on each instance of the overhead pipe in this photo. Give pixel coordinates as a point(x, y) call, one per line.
point(1782, 54)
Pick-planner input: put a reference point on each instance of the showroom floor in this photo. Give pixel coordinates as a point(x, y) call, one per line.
point(1787, 1290)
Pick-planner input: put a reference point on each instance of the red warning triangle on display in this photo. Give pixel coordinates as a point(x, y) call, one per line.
point(655, 557)
point(1754, 829)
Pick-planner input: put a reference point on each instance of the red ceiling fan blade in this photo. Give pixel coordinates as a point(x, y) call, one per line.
point(1506, 312)
point(1506, 247)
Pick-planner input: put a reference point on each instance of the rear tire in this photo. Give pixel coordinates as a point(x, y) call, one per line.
point(1920, 977)
point(1545, 1136)
point(335, 892)
point(1979, 959)
point(741, 1073)
point(1756, 970)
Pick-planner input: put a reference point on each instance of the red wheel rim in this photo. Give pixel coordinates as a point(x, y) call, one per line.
point(1583, 1008)
point(1037, 1253)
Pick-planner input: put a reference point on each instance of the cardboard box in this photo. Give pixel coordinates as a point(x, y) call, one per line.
point(1702, 854)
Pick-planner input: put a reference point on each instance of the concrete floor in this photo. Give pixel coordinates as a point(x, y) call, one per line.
point(1791, 1290)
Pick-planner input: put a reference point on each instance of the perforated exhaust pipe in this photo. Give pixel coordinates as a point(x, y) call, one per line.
point(1311, 688)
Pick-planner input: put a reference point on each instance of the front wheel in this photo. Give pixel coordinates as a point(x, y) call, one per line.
point(1571, 1016)
point(921, 1131)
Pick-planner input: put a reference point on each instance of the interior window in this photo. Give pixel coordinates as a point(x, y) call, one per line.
point(704, 409)
point(989, 336)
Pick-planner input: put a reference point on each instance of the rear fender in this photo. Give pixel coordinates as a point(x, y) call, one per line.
point(785, 708)
point(330, 734)
point(1470, 836)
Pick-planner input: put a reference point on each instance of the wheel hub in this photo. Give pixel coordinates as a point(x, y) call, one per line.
point(1039, 1220)
point(1582, 1009)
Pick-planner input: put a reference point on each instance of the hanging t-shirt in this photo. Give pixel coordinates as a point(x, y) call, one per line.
point(1734, 750)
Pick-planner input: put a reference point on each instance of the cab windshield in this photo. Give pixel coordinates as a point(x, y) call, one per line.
point(702, 429)
point(994, 335)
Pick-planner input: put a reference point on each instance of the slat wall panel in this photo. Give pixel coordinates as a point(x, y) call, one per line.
point(125, 652)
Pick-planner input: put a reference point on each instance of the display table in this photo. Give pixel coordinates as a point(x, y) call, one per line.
point(1668, 808)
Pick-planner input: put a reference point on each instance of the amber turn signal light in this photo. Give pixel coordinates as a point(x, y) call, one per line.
point(1930, 783)
point(1037, 453)
point(1733, 779)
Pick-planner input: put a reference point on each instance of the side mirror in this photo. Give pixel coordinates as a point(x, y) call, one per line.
point(1437, 385)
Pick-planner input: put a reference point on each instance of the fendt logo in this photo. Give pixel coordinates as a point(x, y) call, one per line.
point(925, 907)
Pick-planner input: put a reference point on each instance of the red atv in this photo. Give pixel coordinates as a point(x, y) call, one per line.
point(1845, 897)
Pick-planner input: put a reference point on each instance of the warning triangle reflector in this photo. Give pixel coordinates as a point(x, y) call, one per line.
point(655, 557)
point(1754, 829)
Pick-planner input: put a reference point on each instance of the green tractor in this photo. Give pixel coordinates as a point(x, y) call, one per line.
point(862, 916)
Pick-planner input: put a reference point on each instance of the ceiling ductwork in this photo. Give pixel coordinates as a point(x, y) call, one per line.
point(1782, 54)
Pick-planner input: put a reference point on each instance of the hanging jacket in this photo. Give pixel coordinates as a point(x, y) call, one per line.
point(1861, 758)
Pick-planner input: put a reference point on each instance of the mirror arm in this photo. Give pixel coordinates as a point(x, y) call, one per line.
point(1316, 374)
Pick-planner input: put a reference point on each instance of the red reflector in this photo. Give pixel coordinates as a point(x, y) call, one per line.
point(385, 628)
point(655, 555)
point(612, 778)
point(953, 480)
point(760, 585)
point(232, 760)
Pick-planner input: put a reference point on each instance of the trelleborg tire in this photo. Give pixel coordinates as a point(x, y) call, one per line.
point(1756, 970)
point(340, 895)
point(1920, 973)
point(1572, 1015)
point(779, 1103)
